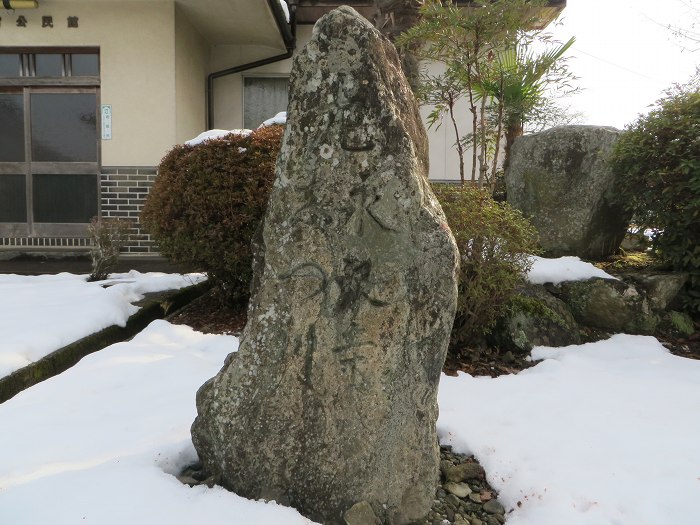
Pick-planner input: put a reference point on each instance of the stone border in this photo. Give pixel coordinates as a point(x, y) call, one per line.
point(153, 306)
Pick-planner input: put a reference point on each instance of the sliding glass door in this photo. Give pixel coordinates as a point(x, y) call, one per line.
point(49, 163)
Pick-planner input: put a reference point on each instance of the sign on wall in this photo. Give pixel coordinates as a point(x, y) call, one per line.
point(106, 122)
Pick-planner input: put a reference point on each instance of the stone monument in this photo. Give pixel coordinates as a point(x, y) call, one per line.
point(330, 404)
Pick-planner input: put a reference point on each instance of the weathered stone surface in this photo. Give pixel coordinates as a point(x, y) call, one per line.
point(461, 490)
point(463, 471)
point(661, 288)
point(610, 305)
point(331, 399)
point(537, 318)
point(361, 513)
point(561, 179)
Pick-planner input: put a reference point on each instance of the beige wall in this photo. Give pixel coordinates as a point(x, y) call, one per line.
point(228, 91)
point(137, 54)
point(191, 58)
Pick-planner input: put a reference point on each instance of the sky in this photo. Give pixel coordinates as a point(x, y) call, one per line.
point(624, 55)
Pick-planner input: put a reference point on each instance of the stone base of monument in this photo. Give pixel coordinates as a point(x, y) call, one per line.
point(463, 496)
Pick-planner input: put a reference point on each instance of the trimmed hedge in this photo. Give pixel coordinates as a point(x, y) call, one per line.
point(207, 202)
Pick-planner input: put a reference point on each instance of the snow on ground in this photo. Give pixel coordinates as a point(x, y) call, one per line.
point(604, 433)
point(43, 313)
point(597, 434)
point(100, 443)
point(562, 269)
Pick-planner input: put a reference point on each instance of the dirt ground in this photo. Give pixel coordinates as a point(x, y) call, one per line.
point(206, 314)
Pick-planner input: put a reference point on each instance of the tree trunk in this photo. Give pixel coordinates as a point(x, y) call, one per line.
point(513, 131)
point(460, 147)
point(392, 18)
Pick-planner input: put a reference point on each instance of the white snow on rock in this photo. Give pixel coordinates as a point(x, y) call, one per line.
point(562, 269)
point(280, 118)
point(213, 134)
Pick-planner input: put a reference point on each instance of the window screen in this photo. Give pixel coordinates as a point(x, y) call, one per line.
point(48, 65)
point(83, 65)
point(263, 97)
point(64, 127)
point(10, 65)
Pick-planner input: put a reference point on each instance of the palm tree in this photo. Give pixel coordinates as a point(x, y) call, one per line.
point(516, 81)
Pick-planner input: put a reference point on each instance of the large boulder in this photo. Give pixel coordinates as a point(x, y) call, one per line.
point(562, 180)
point(330, 404)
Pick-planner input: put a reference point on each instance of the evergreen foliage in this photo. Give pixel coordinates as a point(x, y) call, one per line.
point(657, 159)
point(494, 241)
point(207, 202)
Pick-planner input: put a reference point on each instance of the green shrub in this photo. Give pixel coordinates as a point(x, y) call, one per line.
point(207, 202)
point(657, 160)
point(494, 241)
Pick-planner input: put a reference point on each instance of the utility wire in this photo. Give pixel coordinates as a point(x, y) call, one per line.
point(617, 65)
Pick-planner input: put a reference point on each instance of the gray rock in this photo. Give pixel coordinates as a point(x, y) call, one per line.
point(452, 501)
point(537, 318)
point(661, 287)
point(610, 305)
point(332, 397)
point(188, 480)
point(475, 498)
point(562, 180)
point(463, 471)
point(494, 507)
point(361, 514)
point(461, 490)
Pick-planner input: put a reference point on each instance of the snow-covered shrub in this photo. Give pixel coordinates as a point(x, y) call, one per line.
point(108, 236)
point(657, 159)
point(494, 241)
point(207, 202)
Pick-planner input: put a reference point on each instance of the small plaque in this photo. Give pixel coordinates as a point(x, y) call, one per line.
point(106, 122)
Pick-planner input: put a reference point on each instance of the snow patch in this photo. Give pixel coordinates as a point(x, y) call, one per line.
point(563, 269)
